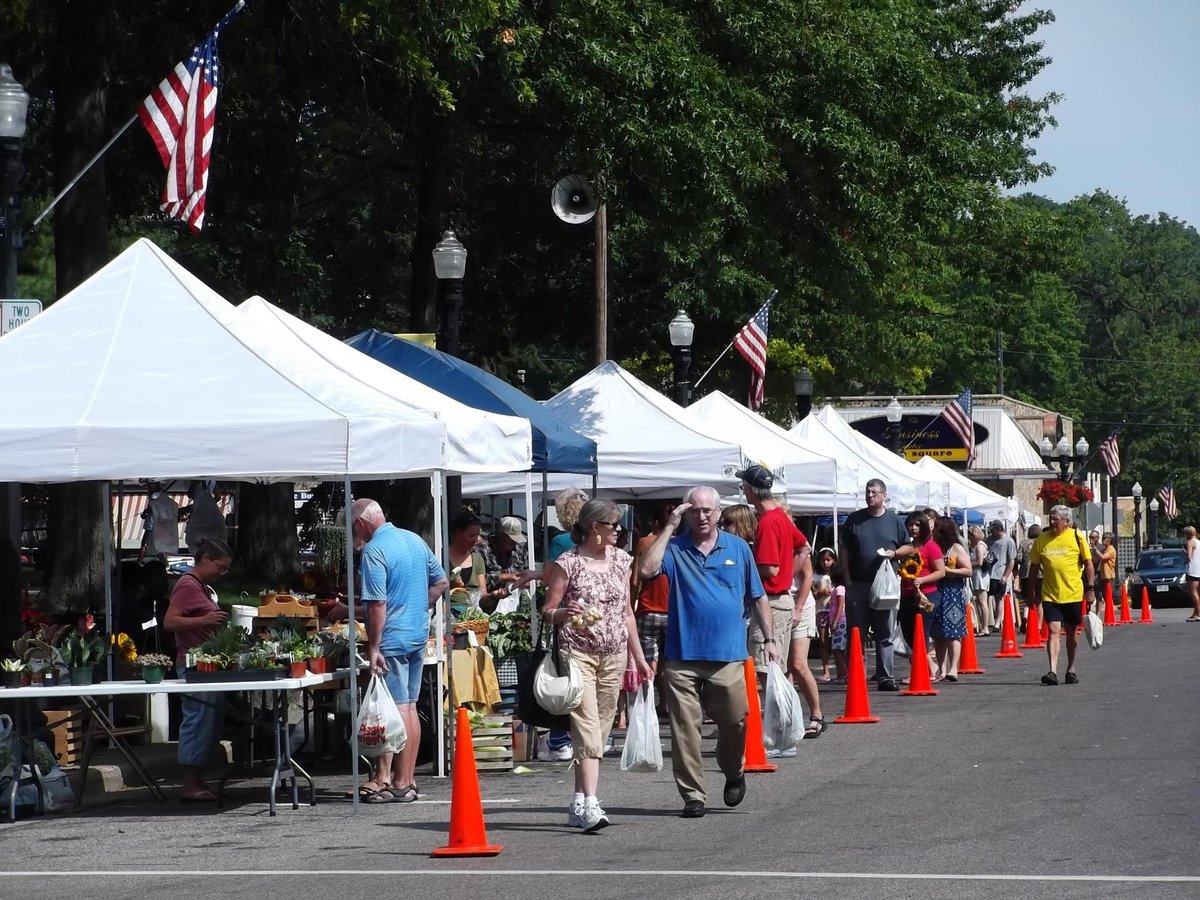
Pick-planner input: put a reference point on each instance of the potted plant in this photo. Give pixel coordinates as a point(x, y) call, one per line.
point(82, 650)
point(207, 662)
point(154, 666)
point(334, 647)
point(318, 663)
point(12, 669)
point(224, 646)
point(300, 654)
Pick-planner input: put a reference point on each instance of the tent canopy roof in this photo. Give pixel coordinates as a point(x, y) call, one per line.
point(557, 447)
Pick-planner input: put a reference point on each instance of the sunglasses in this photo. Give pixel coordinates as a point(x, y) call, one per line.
point(617, 526)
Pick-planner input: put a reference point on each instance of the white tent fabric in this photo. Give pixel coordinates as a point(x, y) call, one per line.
point(642, 451)
point(133, 375)
point(477, 441)
point(968, 494)
point(809, 475)
point(908, 488)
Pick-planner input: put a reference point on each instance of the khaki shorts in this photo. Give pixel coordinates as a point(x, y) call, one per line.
point(807, 626)
point(782, 610)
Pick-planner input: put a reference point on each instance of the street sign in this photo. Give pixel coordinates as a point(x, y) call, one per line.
point(14, 313)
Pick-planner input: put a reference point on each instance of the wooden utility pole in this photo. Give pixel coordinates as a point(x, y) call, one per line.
point(600, 346)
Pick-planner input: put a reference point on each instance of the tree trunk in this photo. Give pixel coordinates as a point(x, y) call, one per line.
point(268, 549)
point(431, 206)
point(75, 516)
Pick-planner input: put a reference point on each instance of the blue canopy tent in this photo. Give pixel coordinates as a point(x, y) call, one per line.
point(556, 446)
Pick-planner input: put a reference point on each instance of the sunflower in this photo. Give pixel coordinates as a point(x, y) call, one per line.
point(911, 567)
point(124, 648)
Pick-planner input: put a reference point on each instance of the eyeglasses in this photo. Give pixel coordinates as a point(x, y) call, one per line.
point(616, 526)
point(872, 492)
point(702, 510)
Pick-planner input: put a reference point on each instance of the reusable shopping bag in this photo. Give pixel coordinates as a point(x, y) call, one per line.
point(380, 726)
point(783, 716)
point(885, 590)
point(1093, 629)
point(643, 748)
point(557, 683)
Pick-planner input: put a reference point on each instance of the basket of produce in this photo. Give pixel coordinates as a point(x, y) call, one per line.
point(475, 620)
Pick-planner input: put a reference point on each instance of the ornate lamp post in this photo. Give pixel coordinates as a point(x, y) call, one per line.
point(1136, 490)
point(450, 264)
point(1154, 505)
point(680, 331)
point(802, 382)
point(1065, 461)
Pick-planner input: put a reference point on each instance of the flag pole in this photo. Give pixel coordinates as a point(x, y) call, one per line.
point(710, 368)
point(74, 181)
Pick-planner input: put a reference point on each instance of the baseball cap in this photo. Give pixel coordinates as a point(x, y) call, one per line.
point(756, 476)
point(996, 525)
point(511, 526)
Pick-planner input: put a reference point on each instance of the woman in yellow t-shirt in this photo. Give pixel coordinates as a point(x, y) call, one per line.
point(1058, 555)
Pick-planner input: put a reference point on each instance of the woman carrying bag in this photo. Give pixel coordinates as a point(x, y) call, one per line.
point(587, 597)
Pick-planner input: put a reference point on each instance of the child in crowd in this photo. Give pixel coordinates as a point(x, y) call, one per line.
point(827, 562)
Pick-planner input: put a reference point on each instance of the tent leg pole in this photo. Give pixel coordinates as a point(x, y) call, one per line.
point(441, 524)
point(352, 629)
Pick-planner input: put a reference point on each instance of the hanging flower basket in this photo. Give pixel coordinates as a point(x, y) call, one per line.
point(1064, 493)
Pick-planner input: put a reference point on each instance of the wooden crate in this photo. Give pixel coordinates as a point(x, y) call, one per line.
point(493, 743)
point(67, 744)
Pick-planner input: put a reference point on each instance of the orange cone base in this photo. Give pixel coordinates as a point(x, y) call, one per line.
point(761, 768)
point(480, 850)
point(856, 720)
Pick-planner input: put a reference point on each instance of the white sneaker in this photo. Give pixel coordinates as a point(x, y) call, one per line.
point(575, 814)
point(610, 746)
point(781, 754)
point(593, 818)
point(544, 752)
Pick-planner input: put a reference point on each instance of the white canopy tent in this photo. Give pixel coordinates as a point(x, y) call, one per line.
point(642, 451)
point(812, 477)
point(137, 374)
point(134, 375)
point(967, 494)
point(907, 487)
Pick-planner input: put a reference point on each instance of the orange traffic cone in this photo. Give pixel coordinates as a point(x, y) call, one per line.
point(1147, 616)
point(968, 663)
point(1086, 607)
point(858, 707)
point(1045, 631)
point(468, 836)
point(1033, 630)
point(1126, 617)
point(1008, 634)
point(1110, 614)
point(919, 684)
point(756, 754)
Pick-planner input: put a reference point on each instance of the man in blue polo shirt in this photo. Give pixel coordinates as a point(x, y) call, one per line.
point(712, 579)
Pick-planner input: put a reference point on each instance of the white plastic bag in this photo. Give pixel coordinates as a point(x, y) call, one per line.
point(885, 589)
point(643, 747)
point(380, 726)
point(1093, 630)
point(783, 716)
point(899, 644)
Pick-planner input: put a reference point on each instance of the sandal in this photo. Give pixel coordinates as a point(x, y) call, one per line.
point(825, 679)
point(406, 794)
point(816, 727)
point(1192, 619)
point(366, 792)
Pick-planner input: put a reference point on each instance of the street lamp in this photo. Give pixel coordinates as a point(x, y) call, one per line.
point(14, 105)
point(1153, 521)
point(1136, 490)
point(681, 330)
point(802, 382)
point(895, 412)
point(1062, 450)
point(450, 264)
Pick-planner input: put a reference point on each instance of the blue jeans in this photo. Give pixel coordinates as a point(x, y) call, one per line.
point(200, 726)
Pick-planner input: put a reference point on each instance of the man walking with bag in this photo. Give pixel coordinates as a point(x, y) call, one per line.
point(712, 581)
point(401, 581)
point(870, 538)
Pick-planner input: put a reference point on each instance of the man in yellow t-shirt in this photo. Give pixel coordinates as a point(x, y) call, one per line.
point(1058, 555)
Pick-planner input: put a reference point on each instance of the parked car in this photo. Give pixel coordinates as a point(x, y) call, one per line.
point(1162, 571)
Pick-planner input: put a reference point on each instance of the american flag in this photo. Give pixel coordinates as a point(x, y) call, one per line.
point(751, 342)
point(958, 414)
point(179, 114)
point(1110, 452)
point(1166, 496)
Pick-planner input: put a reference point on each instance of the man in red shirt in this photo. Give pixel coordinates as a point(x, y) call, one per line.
point(785, 566)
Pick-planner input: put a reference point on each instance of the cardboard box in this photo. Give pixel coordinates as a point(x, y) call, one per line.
point(67, 743)
point(524, 741)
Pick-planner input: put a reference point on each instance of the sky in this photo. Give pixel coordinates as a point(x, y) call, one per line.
point(1129, 120)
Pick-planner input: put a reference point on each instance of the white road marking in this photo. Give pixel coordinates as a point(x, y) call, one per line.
point(593, 873)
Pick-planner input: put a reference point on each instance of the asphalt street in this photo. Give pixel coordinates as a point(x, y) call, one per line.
point(997, 787)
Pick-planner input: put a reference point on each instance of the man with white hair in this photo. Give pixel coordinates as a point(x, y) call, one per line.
point(401, 581)
point(712, 579)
